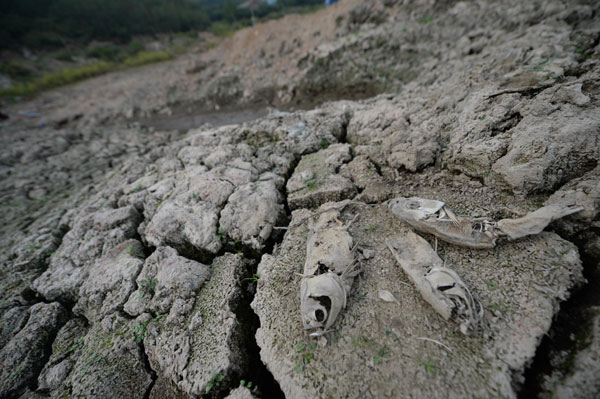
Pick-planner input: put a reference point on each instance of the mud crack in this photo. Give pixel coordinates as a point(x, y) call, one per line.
point(256, 372)
point(568, 332)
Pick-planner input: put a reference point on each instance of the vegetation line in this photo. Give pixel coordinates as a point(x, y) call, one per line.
point(74, 74)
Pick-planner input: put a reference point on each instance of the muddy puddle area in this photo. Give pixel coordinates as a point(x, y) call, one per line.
point(188, 119)
point(189, 116)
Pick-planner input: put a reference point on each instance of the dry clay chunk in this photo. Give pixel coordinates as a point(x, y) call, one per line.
point(316, 180)
point(167, 284)
point(208, 339)
point(21, 359)
point(111, 281)
point(92, 236)
point(66, 349)
point(251, 213)
point(185, 227)
point(111, 364)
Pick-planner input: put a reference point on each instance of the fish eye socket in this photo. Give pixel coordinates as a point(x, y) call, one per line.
point(319, 315)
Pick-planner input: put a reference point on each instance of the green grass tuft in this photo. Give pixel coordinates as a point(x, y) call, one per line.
point(147, 57)
point(225, 29)
point(56, 79)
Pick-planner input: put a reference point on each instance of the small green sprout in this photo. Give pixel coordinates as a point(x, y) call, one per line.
point(254, 278)
point(148, 286)
point(249, 385)
point(215, 381)
point(540, 66)
point(371, 228)
point(47, 255)
point(388, 331)
point(140, 330)
point(336, 336)
point(381, 353)
point(311, 183)
point(305, 354)
point(360, 296)
point(136, 189)
point(500, 306)
point(221, 234)
point(194, 197)
point(132, 251)
point(324, 143)
point(77, 344)
point(430, 366)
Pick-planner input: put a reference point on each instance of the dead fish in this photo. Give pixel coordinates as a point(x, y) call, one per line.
point(329, 271)
point(440, 286)
point(434, 217)
point(535, 222)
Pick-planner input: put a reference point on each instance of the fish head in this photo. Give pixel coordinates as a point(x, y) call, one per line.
point(414, 208)
point(322, 298)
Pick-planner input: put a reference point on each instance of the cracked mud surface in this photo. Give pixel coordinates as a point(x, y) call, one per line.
point(149, 263)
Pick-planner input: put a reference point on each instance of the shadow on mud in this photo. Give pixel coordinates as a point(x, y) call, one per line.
point(191, 116)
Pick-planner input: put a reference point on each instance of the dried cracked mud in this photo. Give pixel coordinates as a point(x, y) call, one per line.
point(157, 263)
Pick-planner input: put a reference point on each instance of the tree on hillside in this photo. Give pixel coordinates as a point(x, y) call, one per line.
point(229, 10)
point(31, 22)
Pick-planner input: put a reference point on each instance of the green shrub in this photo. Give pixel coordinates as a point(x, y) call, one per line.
point(37, 39)
point(147, 57)
point(135, 46)
point(15, 70)
point(70, 75)
point(105, 53)
point(61, 55)
point(225, 29)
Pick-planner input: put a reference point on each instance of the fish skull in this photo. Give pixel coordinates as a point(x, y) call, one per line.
point(415, 208)
point(322, 298)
